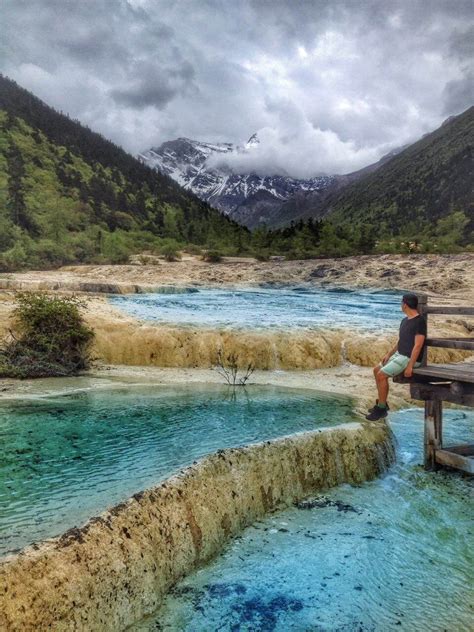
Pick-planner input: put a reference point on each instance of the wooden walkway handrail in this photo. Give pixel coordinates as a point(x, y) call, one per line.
point(452, 343)
point(447, 343)
point(448, 309)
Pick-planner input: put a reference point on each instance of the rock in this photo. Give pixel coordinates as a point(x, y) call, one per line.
point(468, 326)
point(319, 272)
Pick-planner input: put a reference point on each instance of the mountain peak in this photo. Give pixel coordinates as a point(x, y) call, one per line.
point(245, 197)
point(252, 141)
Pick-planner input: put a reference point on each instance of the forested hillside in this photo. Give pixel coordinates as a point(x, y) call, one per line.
point(417, 188)
point(68, 195)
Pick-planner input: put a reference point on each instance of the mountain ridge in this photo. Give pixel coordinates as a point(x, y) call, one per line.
point(185, 160)
point(405, 177)
point(249, 199)
point(427, 180)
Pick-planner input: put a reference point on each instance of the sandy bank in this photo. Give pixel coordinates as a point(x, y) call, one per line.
point(115, 569)
point(442, 275)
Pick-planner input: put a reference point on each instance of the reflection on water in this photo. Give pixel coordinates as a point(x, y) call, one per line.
point(393, 554)
point(286, 307)
point(66, 459)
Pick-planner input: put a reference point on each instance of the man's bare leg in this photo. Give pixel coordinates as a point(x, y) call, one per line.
point(379, 411)
point(381, 379)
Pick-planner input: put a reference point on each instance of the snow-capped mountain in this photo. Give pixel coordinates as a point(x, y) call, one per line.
point(249, 198)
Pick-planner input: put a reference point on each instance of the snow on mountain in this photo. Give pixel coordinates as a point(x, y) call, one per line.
point(248, 198)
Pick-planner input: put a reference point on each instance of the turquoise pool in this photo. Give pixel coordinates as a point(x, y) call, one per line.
point(393, 554)
point(263, 307)
point(68, 458)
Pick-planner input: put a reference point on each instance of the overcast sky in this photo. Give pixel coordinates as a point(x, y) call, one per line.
point(329, 86)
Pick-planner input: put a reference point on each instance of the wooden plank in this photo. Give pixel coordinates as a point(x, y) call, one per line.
point(460, 372)
point(446, 456)
point(461, 388)
point(440, 373)
point(433, 434)
point(451, 343)
point(449, 309)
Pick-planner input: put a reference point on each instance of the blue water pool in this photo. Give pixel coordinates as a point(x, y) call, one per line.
point(65, 459)
point(393, 554)
point(285, 307)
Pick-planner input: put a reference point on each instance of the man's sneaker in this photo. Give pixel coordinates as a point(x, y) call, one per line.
point(371, 410)
point(377, 413)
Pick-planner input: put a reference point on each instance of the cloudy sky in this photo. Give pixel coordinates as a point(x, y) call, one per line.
point(329, 85)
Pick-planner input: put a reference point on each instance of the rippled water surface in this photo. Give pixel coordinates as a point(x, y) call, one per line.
point(393, 554)
point(66, 459)
point(286, 307)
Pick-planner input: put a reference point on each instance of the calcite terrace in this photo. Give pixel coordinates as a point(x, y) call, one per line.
point(115, 569)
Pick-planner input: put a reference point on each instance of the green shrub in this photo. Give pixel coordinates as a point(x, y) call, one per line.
point(49, 338)
point(115, 248)
point(192, 249)
point(212, 256)
point(262, 255)
point(170, 253)
point(15, 258)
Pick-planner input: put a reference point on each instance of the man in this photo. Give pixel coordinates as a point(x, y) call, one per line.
point(405, 355)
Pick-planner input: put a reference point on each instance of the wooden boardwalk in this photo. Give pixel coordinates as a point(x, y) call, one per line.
point(436, 383)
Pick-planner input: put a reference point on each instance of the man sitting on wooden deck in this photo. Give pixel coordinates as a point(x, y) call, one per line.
point(405, 355)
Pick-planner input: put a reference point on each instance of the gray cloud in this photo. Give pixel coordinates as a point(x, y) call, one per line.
point(330, 85)
point(143, 94)
point(155, 86)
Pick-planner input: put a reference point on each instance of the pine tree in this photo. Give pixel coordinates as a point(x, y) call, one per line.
point(16, 193)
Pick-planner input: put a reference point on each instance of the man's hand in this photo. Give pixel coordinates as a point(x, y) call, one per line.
point(408, 371)
point(388, 355)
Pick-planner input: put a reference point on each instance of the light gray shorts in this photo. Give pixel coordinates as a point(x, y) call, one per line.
point(396, 364)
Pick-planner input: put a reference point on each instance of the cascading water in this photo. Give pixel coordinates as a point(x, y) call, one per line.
point(392, 554)
point(267, 308)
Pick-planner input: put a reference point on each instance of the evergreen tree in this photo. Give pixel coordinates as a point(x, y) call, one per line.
point(16, 193)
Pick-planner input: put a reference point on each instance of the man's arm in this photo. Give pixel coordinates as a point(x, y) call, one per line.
point(419, 340)
point(390, 353)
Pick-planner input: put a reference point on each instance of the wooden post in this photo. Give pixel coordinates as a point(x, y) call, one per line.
point(422, 305)
point(433, 431)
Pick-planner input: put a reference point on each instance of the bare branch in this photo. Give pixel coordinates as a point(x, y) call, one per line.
point(227, 366)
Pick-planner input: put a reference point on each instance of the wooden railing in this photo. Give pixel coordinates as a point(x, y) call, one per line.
point(424, 309)
point(436, 383)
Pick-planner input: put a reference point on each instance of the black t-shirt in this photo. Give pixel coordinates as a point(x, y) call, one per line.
point(409, 328)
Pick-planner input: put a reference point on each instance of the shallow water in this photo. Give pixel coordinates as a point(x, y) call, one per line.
point(255, 308)
point(393, 554)
point(68, 458)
